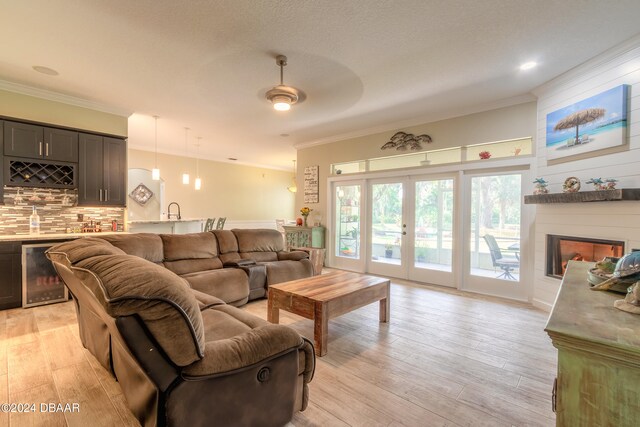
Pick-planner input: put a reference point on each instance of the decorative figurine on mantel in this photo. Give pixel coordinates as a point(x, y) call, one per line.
point(630, 303)
point(541, 186)
point(571, 185)
point(611, 183)
point(598, 184)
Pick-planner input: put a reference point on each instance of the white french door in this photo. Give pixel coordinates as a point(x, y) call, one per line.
point(460, 229)
point(411, 226)
point(387, 231)
point(347, 221)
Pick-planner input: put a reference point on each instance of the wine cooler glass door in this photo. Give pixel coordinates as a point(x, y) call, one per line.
point(40, 282)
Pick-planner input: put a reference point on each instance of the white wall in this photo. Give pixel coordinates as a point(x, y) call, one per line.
point(606, 220)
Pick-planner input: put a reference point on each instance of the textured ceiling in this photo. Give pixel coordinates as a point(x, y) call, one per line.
point(364, 65)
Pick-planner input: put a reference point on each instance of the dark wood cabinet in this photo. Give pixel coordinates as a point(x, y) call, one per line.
point(102, 168)
point(39, 142)
point(60, 145)
point(1, 162)
point(115, 170)
point(10, 275)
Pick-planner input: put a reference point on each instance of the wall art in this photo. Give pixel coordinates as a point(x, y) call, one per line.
point(311, 184)
point(592, 124)
point(403, 141)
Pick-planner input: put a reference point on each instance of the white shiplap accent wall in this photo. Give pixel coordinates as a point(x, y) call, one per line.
point(608, 220)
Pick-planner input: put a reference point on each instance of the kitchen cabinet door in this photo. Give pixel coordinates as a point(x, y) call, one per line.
point(10, 275)
point(90, 169)
point(61, 145)
point(23, 140)
point(114, 171)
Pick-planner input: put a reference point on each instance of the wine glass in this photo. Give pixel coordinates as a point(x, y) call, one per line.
point(18, 199)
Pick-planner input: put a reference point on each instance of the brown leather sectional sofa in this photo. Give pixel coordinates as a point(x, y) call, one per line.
point(156, 311)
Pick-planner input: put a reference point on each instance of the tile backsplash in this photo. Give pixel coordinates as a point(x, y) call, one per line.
point(57, 210)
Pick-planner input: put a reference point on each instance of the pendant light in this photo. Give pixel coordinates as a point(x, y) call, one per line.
point(294, 187)
point(198, 182)
point(155, 173)
point(185, 175)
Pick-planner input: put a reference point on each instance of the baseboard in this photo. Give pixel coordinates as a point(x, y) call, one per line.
point(542, 305)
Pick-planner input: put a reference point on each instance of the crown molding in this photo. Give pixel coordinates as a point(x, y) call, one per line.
point(64, 99)
point(508, 102)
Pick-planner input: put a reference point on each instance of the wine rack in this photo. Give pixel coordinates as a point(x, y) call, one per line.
point(27, 173)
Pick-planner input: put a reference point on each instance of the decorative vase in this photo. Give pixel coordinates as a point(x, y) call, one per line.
point(305, 221)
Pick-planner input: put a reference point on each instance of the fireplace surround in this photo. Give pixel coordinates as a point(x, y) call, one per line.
point(561, 249)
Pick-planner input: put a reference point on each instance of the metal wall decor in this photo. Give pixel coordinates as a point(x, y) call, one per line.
point(141, 194)
point(402, 141)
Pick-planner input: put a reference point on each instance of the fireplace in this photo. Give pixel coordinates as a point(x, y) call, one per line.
point(561, 249)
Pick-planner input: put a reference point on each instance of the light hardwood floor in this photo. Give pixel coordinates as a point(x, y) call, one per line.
point(445, 358)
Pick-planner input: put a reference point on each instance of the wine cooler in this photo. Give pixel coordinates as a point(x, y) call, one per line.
point(40, 282)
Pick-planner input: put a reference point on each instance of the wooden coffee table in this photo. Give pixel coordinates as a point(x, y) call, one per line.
point(328, 296)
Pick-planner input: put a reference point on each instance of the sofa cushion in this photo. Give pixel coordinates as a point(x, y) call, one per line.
point(131, 285)
point(189, 246)
point(285, 271)
point(227, 242)
point(236, 339)
point(260, 256)
point(185, 266)
point(143, 245)
point(231, 285)
point(259, 240)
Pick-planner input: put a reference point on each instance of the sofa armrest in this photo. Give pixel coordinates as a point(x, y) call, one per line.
point(292, 256)
point(205, 300)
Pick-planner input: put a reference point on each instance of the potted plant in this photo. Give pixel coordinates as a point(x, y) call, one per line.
point(388, 250)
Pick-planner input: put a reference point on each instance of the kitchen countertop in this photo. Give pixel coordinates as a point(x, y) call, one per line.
point(52, 236)
point(163, 221)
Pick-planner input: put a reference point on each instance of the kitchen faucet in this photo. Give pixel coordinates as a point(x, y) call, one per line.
point(178, 217)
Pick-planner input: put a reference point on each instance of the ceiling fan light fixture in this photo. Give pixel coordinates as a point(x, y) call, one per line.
point(282, 97)
point(281, 104)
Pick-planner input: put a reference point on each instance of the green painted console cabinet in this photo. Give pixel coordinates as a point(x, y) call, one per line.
point(598, 381)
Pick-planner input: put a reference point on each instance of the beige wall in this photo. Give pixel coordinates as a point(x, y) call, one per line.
point(43, 110)
point(233, 191)
point(495, 125)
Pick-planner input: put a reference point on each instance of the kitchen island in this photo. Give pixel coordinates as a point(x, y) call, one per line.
point(166, 226)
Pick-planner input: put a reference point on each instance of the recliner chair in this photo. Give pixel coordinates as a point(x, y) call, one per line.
point(182, 357)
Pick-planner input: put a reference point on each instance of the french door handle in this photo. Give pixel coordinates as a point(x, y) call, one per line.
point(404, 233)
point(404, 225)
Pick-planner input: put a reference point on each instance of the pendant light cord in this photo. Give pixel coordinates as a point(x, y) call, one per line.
point(156, 144)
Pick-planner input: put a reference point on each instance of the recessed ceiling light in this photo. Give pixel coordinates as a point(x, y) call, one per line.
point(232, 158)
point(45, 70)
point(528, 65)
